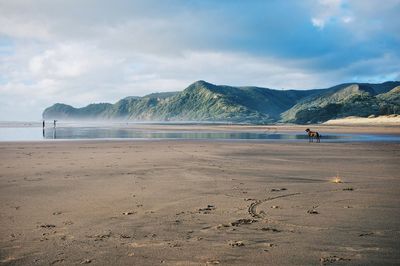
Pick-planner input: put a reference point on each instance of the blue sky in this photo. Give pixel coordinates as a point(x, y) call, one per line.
point(80, 52)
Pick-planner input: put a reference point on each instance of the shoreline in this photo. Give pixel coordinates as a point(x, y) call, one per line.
point(146, 132)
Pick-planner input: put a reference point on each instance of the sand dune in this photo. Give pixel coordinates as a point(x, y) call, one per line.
point(390, 120)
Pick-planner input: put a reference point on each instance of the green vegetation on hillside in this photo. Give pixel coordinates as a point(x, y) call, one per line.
point(202, 101)
point(346, 100)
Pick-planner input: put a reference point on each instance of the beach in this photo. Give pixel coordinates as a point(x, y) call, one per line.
point(200, 202)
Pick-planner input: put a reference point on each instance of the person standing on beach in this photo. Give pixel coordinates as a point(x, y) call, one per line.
point(55, 123)
point(44, 124)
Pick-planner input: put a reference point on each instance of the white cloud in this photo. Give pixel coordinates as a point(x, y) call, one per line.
point(347, 19)
point(319, 23)
point(363, 18)
point(325, 10)
point(69, 61)
point(77, 75)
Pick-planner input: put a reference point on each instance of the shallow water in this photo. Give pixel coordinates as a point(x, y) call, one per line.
point(112, 132)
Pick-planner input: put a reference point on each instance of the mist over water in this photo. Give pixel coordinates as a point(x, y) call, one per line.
point(78, 130)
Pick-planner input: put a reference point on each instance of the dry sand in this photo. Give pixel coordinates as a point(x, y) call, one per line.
point(388, 120)
point(199, 203)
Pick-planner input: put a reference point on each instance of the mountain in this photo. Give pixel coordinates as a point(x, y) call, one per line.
point(203, 101)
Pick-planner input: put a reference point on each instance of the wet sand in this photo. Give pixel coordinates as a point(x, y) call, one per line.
point(199, 203)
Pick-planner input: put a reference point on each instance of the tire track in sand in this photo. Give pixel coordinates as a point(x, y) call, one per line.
point(253, 206)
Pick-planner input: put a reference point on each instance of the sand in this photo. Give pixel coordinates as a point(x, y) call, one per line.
point(388, 120)
point(199, 203)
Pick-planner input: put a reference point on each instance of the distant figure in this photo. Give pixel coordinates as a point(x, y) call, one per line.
point(312, 135)
point(44, 124)
point(55, 123)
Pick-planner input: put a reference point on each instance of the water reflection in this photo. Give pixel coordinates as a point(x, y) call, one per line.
point(35, 133)
point(121, 133)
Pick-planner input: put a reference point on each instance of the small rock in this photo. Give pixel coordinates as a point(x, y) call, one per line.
point(57, 213)
point(86, 261)
point(348, 189)
point(128, 213)
point(275, 207)
point(131, 254)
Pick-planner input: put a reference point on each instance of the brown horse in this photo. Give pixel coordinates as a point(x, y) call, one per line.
point(312, 135)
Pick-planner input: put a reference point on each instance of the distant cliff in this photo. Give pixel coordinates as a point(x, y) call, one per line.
point(202, 101)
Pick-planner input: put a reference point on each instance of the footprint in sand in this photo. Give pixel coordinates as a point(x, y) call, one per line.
point(47, 226)
point(243, 222)
point(236, 243)
point(213, 262)
point(278, 189)
point(366, 234)
point(207, 209)
point(57, 261)
point(128, 213)
point(270, 229)
point(332, 259)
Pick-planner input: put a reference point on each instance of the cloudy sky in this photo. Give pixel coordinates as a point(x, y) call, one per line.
point(80, 52)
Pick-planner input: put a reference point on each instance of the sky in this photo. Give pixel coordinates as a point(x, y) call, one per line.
point(81, 52)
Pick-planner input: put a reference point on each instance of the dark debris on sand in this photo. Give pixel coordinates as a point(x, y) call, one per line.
point(332, 259)
point(243, 221)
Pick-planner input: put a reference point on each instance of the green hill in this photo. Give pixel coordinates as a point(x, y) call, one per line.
point(345, 100)
point(203, 101)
